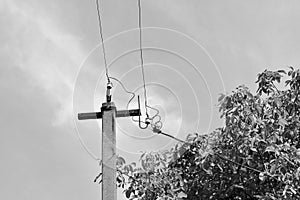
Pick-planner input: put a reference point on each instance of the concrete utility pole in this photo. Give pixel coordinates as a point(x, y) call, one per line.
point(108, 114)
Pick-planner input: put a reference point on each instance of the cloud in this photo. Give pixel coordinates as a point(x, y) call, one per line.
point(46, 52)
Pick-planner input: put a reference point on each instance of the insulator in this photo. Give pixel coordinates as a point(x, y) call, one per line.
point(109, 85)
point(147, 121)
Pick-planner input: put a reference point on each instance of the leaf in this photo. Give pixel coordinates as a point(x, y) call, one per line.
point(133, 164)
point(270, 149)
point(119, 180)
point(120, 160)
point(126, 168)
point(278, 102)
point(282, 122)
point(221, 97)
point(259, 121)
point(298, 152)
point(293, 191)
point(142, 156)
point(220, 167)
point(281, 71)
point(130, 168)
point(208, 171)
point(285, 189)
point(297, 173)
point(182, 195)
point(239, 186)
point(128, 193)
point(261, 176)
point(243, 169)
point(273, 168)
point(278, 79)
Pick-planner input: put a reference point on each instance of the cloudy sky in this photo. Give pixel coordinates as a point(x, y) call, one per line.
point(52, 68)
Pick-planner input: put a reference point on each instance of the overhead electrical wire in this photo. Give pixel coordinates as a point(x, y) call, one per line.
point(149, 120)
point(141, 55)
point(219, 155)
point(156, 126)
point(143, 70)
point(88, 151)
point(102, 40)
point(158, 131)
point(126, 90)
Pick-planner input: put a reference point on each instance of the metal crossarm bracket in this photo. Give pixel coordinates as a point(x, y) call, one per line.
point(120, 113)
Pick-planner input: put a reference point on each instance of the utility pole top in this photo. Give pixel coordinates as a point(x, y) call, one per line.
point(108, 114)
point(108, 106)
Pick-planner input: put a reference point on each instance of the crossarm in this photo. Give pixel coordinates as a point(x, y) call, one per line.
point(120, 113)
point(127, 113)
point(91, 115)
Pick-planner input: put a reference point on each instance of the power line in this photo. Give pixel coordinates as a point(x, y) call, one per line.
point(125, 89)
point(158, 131)
point(84, 146)
point(143, 73)
point(171, 136)
point(129, 92)
point(158, 123)
point(102, 41)
point(155, 127)
point(131, 98)
point(141, 55)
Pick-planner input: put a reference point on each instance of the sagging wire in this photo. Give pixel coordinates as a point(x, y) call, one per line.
point(88, 151)
point(158, 131)
point(151, 120)
point(156, 126)
point(141, 56)
point(158, 122)
point(109, 86)
point(130, 100)
point(102, 41)
point(148, 119)
point(154, 121)
point(125, 89)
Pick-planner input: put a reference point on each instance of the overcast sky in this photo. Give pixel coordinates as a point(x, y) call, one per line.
point(52, 68)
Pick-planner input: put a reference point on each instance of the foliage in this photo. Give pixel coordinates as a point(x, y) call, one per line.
point(256, 155)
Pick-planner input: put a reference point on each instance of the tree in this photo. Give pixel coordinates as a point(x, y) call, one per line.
point(256, 155)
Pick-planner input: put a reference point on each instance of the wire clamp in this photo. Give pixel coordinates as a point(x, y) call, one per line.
point(147, 121)
point(156, 130)
point(140, 121)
